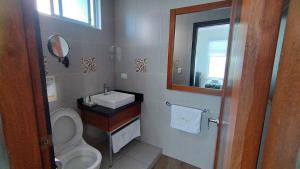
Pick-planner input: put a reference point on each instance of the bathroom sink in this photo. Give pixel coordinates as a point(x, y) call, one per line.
point(113, 99)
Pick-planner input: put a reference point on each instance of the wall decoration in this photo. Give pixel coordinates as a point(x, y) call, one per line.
point(88, 64)
point(141, 64)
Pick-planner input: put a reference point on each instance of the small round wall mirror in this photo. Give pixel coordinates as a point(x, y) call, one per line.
point(59, 48)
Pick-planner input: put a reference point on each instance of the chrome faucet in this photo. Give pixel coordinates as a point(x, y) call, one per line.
point(106, 89)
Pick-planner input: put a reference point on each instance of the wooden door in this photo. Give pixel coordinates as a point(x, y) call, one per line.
point(283, 138)
point(251, 57)
point(23, 103)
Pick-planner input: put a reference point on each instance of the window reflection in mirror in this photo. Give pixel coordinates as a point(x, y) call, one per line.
point(200, 48)
point(209, 46)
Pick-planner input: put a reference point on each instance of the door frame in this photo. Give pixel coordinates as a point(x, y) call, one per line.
point(24, 105)
point(283, 135)
point(244, 99)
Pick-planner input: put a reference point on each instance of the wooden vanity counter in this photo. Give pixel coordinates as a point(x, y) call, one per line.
point(108, 119)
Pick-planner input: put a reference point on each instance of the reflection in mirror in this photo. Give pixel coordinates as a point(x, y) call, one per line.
point(200, 48)
point(209, 53)
point(59, 48)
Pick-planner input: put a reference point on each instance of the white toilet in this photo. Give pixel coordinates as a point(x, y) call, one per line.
point(69, 146)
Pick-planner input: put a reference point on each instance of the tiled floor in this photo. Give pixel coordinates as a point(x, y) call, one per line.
point(135, 155)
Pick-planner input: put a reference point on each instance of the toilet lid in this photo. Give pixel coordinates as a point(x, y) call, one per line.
point(66, 130)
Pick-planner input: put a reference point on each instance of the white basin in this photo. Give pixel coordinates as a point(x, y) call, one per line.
point(113, 99)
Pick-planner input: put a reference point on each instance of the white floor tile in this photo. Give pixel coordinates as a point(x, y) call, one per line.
point(128, 163)
point(135, 155)
point(145, 153)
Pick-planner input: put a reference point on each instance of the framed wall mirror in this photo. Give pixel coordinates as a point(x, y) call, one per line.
point(59, 48)
point(198, 42)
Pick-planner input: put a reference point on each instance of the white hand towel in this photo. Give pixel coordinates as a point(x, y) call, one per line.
point(186, 119)
point(124, 136)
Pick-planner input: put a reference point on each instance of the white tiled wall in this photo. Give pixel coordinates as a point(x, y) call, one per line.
point(84, 42)
point(142, 30)
point(72, 83)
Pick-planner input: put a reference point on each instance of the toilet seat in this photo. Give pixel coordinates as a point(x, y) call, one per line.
point(69, 146)
point(67, 130)
point(82, 157)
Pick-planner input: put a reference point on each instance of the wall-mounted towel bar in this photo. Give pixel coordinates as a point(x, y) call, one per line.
point(203, 110)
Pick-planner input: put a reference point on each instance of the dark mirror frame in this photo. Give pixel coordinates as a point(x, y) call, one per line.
point(187, 10)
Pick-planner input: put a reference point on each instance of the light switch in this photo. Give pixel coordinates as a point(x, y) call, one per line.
point(179, 70)
point(124, 76)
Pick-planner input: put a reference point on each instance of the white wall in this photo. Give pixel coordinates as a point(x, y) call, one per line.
point(83, 41)
point(142, 30)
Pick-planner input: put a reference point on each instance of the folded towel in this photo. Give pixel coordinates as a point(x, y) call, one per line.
point(124, 136)
point(186, 119)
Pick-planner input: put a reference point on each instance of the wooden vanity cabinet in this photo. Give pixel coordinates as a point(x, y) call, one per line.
point(109, 123)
